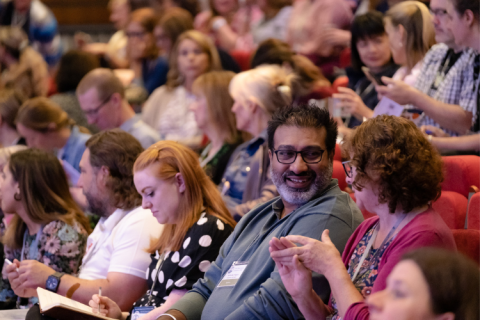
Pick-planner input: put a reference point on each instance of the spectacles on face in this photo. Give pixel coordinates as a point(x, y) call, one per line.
point(310, 156)
point(348, 168)
point(439, 13)
point(93, 112)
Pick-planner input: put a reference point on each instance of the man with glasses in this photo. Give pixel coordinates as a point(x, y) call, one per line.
point(243, 282)
point(102, 98)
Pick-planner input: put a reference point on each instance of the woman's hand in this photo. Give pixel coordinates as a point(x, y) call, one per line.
point(108, 307)
point(396, 90)
point(348, 99)
point(433, 131)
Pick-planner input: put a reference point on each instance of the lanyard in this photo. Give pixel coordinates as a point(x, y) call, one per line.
point(159, 265)
point(370, 244)
point(31, 254)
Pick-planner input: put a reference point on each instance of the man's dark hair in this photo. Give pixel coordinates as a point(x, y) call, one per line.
point(117, 150)
point(304, 116)
point(73, 66)
point(272, 51)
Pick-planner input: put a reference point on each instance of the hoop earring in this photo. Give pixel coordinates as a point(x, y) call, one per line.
point(16, 196)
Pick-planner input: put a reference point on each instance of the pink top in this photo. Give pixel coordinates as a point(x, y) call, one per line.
point(427, 229)
point(310, 18)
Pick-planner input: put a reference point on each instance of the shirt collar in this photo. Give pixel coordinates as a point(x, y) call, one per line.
point(127, 125)
point(107, 224)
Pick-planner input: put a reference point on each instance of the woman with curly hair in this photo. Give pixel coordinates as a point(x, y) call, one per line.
point(396, 174)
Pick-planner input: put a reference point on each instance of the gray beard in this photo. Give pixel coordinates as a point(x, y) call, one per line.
point(301, 196)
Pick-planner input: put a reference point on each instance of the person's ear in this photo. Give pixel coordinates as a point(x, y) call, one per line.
point(116, 100)
point(469, 17)
point(180, 182)
point(52, 126)
point(102, 175)
point(270, 155)
point(402, 34)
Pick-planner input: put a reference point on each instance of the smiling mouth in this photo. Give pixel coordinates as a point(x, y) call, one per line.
point(298, 182)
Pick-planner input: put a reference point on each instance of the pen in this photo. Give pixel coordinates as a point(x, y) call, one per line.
point(9, 263)
point(99, 294)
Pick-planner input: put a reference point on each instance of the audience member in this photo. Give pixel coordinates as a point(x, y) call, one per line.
point(103, 90)
point(167, 109)
point(301, 149)
point(150, 69)
point(48, 227)
point(192, 6)
point(442, 90)
point(116, 256)
point(228, 21)
point(272, 51)
point(73, 66)
point(257, 93)
point(429, 284)
point(273, 24)
point(180, 195)
point(46, 126)
point(25, 69)
point(395, 174)
point(213, 113)
point(10, 102)
point(38, 22)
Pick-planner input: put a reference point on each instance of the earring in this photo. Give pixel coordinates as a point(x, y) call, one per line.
point(16, 196)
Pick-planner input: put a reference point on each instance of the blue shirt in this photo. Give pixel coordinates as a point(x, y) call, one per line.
point(73, 150)
point(154, 73)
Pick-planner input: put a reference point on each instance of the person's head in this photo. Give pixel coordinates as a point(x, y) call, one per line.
point(22, 5)
point(39, 120)
point(13, 41)
point(223, 7)
point(258, 93)
point(264, 5)
point(393, 163)
point(119, 13)
point(192, 6)
point(369, 43)
point(34, 185)
point(410, 32)
point(429, 284)
point(6, 152)
point(464, 22)
point(73, 66)
point(272, 51)
point(438, 9)
point(170, 26)
point(213, 104)
point(300, 177)
point(101, 96)
point(139, 31)
point(106, 172)
point(307, 76)
point(175, 188)
point(193, 54)
point(10, 102)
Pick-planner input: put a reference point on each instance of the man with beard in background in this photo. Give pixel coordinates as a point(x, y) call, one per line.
point(243, 282)
point(116, 256)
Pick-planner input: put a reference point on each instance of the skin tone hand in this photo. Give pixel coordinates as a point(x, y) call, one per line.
point(397, 90)
point(31, 274)
point(433, 131)
point(348, 99)
point(108, 307)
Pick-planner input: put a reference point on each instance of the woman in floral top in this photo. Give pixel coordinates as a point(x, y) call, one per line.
point(396, 174)
point(48, 226)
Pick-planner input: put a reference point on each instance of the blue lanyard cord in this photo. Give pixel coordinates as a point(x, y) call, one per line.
point(32, 254)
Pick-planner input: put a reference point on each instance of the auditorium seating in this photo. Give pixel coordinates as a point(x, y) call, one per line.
point(468, 243)
point(452, 207)
point(461, 172)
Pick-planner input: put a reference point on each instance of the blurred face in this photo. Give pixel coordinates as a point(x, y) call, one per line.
point(367, 198)
point(406, 297)
point(35, 139)
point(243, 113)
point(8, 188)
point(397, 46)
point(458, 25)
point(299, 181)
point(192, 60)
point(88, 181)
point(162, 197)
point(225, 7)
point(374, 52)
point(22, 5)
point(162, 41)
point(119, 15)
point(139, 40)
point(100, 113)
point(438, 8)
point(199, 108)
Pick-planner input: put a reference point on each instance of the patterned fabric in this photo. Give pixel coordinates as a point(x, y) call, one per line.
point(60, 246)
point(456, 87)
point(365, 278)
point(182, 268)
point(216, 166)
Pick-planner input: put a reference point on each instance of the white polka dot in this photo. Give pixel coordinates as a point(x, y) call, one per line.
point(204, 265)
point(185, 262)
point(143, 299)
point(203, 214)
point(161, 277)
point(154, 272)
point(155, 293)
point(181, 282)
point(165, 298)
point(176, 257)
point(202, 221)
point(169, 283)
point(205, 241)
point(146, 274)
point(220, 225)
point(186, 242)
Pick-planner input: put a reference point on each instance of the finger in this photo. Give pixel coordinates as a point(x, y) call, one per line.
point(16, 262)
point(299, 239)
point(346, 90)
point(286, 253)
point(326, 237)
point(276, 244)
point(341, 96)
point(388, 80)
point(287, 243)
point(93, 304)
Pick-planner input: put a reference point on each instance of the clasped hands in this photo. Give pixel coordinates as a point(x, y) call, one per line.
point(26, 276)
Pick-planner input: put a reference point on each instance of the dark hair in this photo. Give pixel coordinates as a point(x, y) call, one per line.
point(147, 18)
point(364, 27)
point(304, 116)
point(453, 281)
point(272, 51)
point(174, 22)
point(191, 6)
point(10, 102)
point(117, 150)
point(394, 149)
point(463, 5)
point(73, 66)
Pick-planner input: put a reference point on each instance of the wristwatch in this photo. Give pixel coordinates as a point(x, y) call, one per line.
point(53, 281)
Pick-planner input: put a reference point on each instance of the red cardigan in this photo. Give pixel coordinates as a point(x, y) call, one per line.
point(427, 229)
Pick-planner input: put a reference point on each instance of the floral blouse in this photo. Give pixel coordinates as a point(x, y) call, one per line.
point(366, 277)
point(60, 246)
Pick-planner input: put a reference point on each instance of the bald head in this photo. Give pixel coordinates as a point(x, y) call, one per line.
point(104, 81)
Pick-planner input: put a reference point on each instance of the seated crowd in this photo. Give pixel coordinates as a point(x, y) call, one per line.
point(188, 167)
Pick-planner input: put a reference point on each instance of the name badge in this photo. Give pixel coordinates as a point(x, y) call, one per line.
point(140, 311)
point(233, 274)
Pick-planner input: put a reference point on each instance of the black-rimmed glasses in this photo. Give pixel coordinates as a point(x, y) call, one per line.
point(93, 112)
point(348, 168)
point(310, 156)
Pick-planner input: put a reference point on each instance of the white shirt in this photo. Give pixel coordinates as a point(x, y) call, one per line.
point(119, 243)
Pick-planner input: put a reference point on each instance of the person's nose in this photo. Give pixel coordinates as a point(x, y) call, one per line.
point(299, 166)
point(376, 301)
point(146, 204)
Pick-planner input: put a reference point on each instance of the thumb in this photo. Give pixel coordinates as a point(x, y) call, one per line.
point(326, 236)
point(388, 80)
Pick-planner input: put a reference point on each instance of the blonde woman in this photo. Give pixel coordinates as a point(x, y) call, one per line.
point(196, 223)
point(167, 109)
point(213, 113)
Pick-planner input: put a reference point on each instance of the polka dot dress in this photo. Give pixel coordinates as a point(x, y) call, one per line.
point(184, 267)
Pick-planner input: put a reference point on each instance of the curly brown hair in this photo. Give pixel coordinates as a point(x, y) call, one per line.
point(406, 167)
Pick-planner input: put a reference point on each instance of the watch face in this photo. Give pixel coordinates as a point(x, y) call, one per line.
point(52, 283)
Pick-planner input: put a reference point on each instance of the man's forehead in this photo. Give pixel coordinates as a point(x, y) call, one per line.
point(299, 137)
point(88, 97)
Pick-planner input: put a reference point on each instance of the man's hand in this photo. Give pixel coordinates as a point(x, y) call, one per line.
point(396, 90)
point(31, 275)
point(349, 100)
